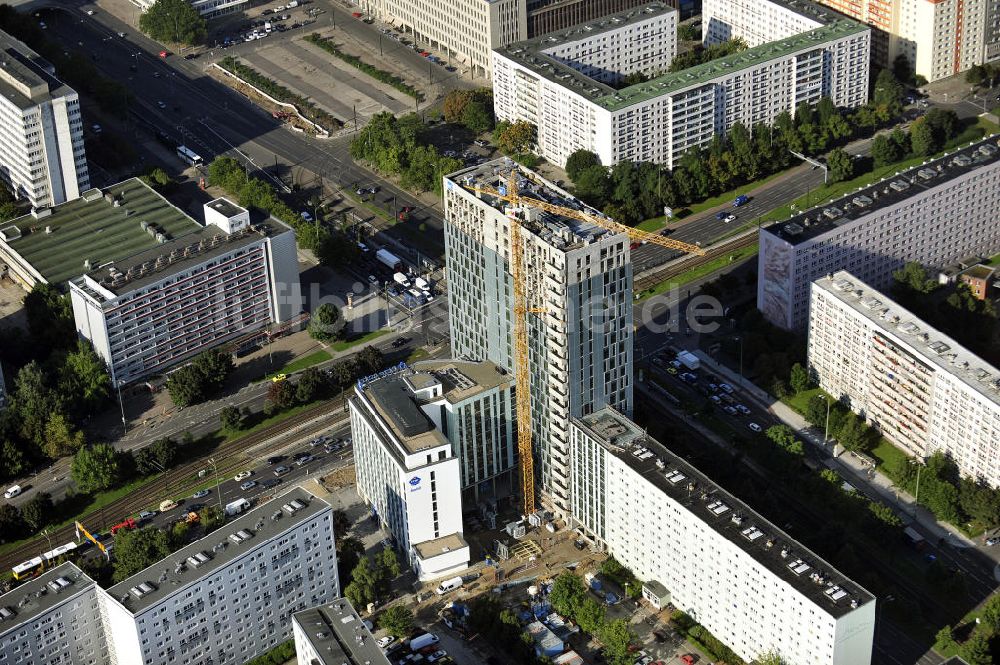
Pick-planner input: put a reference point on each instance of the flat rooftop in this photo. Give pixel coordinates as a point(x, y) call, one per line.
point(338, 635)
point(235, 539)
point(933, 347)
point(888, 192)
point(400, 410)
point(462, 379)
point(225, 207)
point(979, 271)
point(531, 55)
point(92, 228)
point(35, 597)
point(734, 520)
point(26, 78)
point(558, 230)
point(432, 548)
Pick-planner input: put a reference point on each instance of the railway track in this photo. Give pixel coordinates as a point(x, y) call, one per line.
point(230, 457)
point(693, 261)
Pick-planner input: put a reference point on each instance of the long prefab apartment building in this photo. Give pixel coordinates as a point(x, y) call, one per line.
point(151, 286)
point(569, 83)
point(709, 554)
point(937, 213)
point(921, 389)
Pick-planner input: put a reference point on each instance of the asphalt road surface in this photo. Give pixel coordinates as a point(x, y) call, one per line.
point(205, 115)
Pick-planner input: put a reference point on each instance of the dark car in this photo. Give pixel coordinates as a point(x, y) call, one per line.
point(270, 482)
point(304, 460)
point(299, 455)
point(271, 461)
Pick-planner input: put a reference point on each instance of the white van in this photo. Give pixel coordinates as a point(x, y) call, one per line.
point(236, 507)
point(449, 585)
point(12, 492)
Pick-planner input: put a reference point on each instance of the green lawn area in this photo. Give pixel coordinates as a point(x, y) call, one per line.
point(652, 225)
point(700, 271)
point(799, 401)
point(417, 354)
point(305, 361)
point(267, 421)
point(994, 261)
point(888, 454)
point(344, 345)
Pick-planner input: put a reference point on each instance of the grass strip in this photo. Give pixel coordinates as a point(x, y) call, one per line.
point(380, 75)
point(700, 271)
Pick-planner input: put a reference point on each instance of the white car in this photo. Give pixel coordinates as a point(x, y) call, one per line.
point(726, 387)
point(242, 475)
point(436, 656)
point(729, 218)
point(715, 398)
point(161, 104)
point(754, 427)
point(248, 485)
point(383, 642)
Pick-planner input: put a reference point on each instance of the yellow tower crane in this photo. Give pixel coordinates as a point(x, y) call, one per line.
point(522, 307)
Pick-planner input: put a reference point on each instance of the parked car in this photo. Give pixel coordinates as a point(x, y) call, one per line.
point(281, 470)
point(715, 399)
point(147, 514)
point(990, 542)
point(248, 485)
point(242, 475)
point(742, 409)
point(730, 410)
point(201, 494)
point(436, 656)
point(754, 427)
point(383, 642)
point(727, 388)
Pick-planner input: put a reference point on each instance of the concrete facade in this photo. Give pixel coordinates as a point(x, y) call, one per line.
point(936, 213)
point(750, 584)
point(580, 278)
point(42, 157)
point(921, 389)
point(811, 53)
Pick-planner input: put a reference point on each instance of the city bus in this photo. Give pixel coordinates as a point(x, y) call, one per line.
point(32, 567)
point(190, 157)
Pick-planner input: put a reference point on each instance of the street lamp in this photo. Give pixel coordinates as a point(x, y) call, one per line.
point(916, 497)
point(740, 340)
point(218, 491)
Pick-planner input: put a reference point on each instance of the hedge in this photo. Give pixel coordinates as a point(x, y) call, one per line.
point(373, 71)
point(281, 93)
point(276, 656)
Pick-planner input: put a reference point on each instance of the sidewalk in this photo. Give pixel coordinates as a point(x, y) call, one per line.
point(848, 465)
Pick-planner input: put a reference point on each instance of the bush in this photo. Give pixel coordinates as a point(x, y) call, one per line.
point(279, 655)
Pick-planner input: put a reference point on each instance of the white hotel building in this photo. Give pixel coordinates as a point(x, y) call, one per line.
point(937, 214)
point(563, 82)
point(709, 554)
point(421, 436)
point(53, 619)
point(42, 158)
point(150, 286)
point(918, 387)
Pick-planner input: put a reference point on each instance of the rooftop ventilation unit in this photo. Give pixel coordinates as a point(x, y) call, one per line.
point(199, 559)
point(293, 506)
point(799, 566)
point(142, 589)
point(793, 229)
point(58, 584)
point(899, 185)
point(240, 536)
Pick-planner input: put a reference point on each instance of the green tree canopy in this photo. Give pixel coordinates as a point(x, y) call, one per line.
point(326, 324)
point(568, 593)
point(138, 549)
point(60, 437)
point(230, 418)
point(173, 21)
point(281, 395)
point(96, 468)
point(50, 317)
point(85, 376)
point(37, 511)
point(799, 378)
point(397, 621)
point(579, 160)
point(840, 165)
point(515, 138)
point(312, 385)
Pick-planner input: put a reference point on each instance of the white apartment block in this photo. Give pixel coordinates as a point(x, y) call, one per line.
point(53, 619)
point(42, 158)
point(940, 39)
point(936, 213)
point(228, 278)
point(230, 596)
point(408, 471)
point(206, 8)
point(918, 387)
point(334, 634)
point(812, 53)
point(467, 30)
point(709, 554)
point(578, 277)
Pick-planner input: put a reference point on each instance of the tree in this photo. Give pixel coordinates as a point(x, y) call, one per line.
point(616, 637)
point(945, 638)
point(578, 161)
point(976, 75)
point(884, 515)
point(515, 138)
point(388, 564)
point(159, 179)
point(173, 21)
point(85, 376)
point(816, 410)
point(365, 583)
point(769, 658)
point(593, 185)
point(902, 70)
point(454, 104)
point(60, 439)
point(976, 650)
point(799, 379)
point(33, 402)
point(350, 550)
point(853, 433)
point(11, 524)
point(280, 395)
point(590, 615)
point(311, 386)
point(326, 324)
point(12, 461)
point(782, 435)
point(990, 614)
point(186, 386)
point(137, 549)
point(37, 511)
point(211, 518)
point(341, 524)
point(370, 360)
point(95, 468)
point(50, 317)
point(231, 419)
point(478, 117)
point(840, 165)
point(568, 592)
point(397, 621)
point(914, 277)
point(884, 151)
point(214, 366)
point(922, 139)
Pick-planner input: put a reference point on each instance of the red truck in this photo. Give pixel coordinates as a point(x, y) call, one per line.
point(127, 524)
